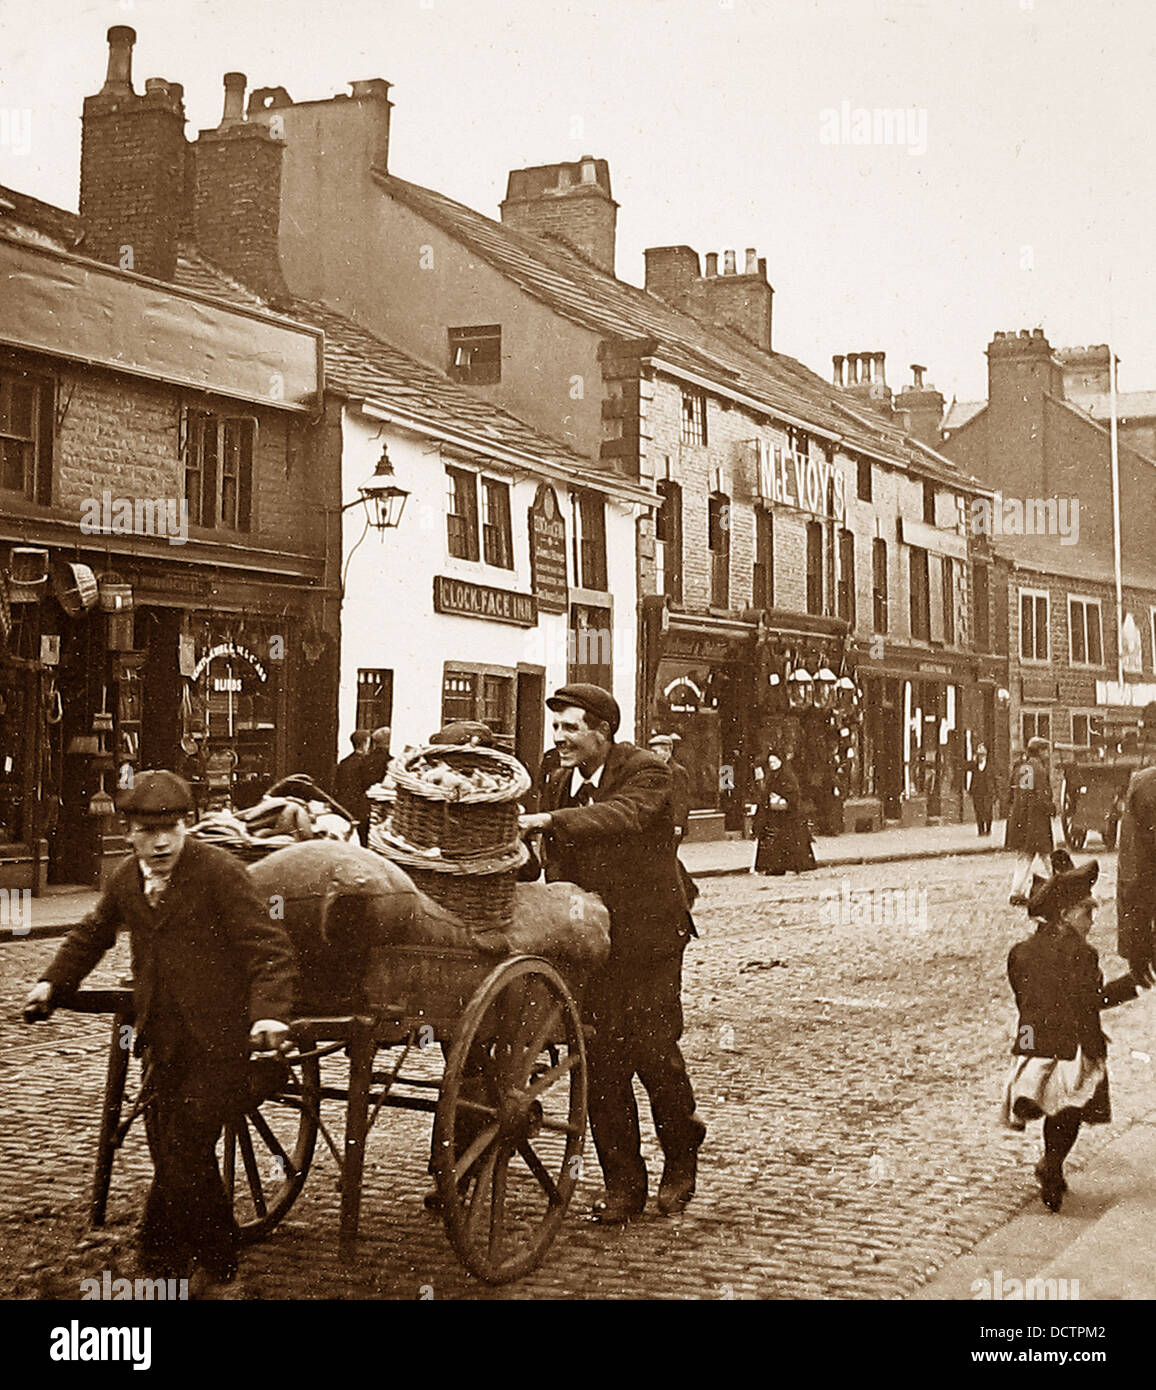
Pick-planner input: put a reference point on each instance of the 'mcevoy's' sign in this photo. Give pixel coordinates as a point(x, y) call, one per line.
point(797, 480)
point(460, 597)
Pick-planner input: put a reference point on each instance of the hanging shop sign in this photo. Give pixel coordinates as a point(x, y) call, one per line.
point(229, 649)
point(466, 600)
point(548, 573)
point(812, 484)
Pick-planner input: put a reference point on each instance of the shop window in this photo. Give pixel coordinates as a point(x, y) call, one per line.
point(1084, 632)
point(980, 605)
point(668, 539)
point(25, 435)
point(1035, 724)
point(219, 470)
point(1034, 644)
point(591, 646)
point(693, 418)
point(763, 579)
point(948, 601)
point(847, 576)
point(476, 354)
point(814, 567)
point(879, 598)
point(589, 512)
point(479, 693)
point(374, 699)
point(718, 541)
point(920, 595)
point(863, 479)
point(462, 513)
point(497, 532)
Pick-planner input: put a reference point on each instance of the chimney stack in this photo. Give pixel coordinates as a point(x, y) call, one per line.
point(570, 202)
point(741, 303)
point(920, 409)
point(132, 167)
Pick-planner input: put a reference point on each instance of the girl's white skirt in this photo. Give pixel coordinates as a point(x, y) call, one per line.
point(1041, 1086)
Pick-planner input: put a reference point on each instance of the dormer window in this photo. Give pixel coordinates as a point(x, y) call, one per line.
point(476, 355)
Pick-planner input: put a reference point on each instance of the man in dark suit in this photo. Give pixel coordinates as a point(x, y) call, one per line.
point(1136, 877)
point(213, 976)
point(607, 818)
point(350, 780)
point(662, 746)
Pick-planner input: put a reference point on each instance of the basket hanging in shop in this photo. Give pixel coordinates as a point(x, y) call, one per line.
point(27, 574)
point(75, 587)
point(115, 594)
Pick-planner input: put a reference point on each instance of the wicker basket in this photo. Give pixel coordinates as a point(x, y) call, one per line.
point(485, 901)
point(458, 822)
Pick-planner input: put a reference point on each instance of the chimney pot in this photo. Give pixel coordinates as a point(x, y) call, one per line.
point(880, 370)
point(752, 266)
point(711, 263)
point(837, 360)
point(917, 376)
point(728, 262)
point(589, 172)
point(120, 41)
point(763, 267)
point(156, 84)
point(234, 110)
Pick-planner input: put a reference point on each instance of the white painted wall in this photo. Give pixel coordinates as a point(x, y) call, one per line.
point(388, 619)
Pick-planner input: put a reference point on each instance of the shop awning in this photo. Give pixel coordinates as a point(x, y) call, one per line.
point(83, 311)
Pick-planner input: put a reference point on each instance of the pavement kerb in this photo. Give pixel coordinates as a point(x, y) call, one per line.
point(860, 859)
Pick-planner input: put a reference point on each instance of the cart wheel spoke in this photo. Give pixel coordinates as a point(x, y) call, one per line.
point(484, 1183)
point(272, 1143)
point(250, 1160)
point(548, 1078)
point(538, 1042)
point(229, 1166)
point(498, 1204)
point(474, 1152)
point(539, 1170)
point(561, 1126)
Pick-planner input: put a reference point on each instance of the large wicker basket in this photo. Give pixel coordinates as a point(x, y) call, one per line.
point(456, 820)
point(485, 901)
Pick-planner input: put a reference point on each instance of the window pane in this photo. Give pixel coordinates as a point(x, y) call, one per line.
point(1095, 645)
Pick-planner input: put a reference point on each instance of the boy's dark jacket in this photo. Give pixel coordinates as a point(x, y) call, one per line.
point(211, 945)
point(1060, 991)
point(622, 847)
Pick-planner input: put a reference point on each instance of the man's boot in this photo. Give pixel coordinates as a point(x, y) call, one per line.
point(679, 1173)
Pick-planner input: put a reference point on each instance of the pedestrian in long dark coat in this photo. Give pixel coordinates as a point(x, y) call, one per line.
point(982, 789)
point(784, 835)
point(1029, 822)
point(1060, 1073)
point(609, 829)
point(1136, 877)
point(213, 976)
point(350, 780)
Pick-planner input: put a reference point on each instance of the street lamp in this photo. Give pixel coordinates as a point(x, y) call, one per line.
point(384, 500)
point(825, 684)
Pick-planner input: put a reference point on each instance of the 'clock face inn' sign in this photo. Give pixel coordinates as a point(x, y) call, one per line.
point(466, 600)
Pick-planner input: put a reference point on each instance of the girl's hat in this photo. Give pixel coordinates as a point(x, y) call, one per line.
point(1063, 890)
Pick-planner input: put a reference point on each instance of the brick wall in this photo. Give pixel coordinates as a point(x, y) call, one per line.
point(123, 435)
point(237, 204)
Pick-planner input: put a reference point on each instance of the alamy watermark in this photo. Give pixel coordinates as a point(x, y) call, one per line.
point(139, 1290)
point(891, 907)
point(16, 910)
point(16, 130)
point(858, 125)
point(1026, 516)
point(1002, 1289)
point(106, 515)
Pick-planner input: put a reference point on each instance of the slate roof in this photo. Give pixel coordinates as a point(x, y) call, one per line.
point(577, 289)
point(56, 223)
point(361, 364)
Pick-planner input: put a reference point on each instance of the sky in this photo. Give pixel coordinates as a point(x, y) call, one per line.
point(1018, 192)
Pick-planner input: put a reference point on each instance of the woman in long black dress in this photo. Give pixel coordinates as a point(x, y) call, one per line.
point(783, 832)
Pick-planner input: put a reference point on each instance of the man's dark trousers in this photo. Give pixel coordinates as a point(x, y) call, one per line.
point(636, 1011)
point(187, 1215)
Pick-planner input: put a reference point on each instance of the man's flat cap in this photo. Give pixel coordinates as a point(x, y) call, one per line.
point(663, 739)
point(1063, 890)
point(157, 795)
point(592, 698)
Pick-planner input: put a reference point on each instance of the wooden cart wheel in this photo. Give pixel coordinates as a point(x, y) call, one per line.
point(272, 1144)
point(1069, 800)
point(511, 1120)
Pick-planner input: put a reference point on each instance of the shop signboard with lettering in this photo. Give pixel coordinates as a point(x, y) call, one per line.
point(466, 600)
point(548, 574)
point(812, 484)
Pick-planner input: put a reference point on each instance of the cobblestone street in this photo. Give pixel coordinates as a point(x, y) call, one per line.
point(849, 1069)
